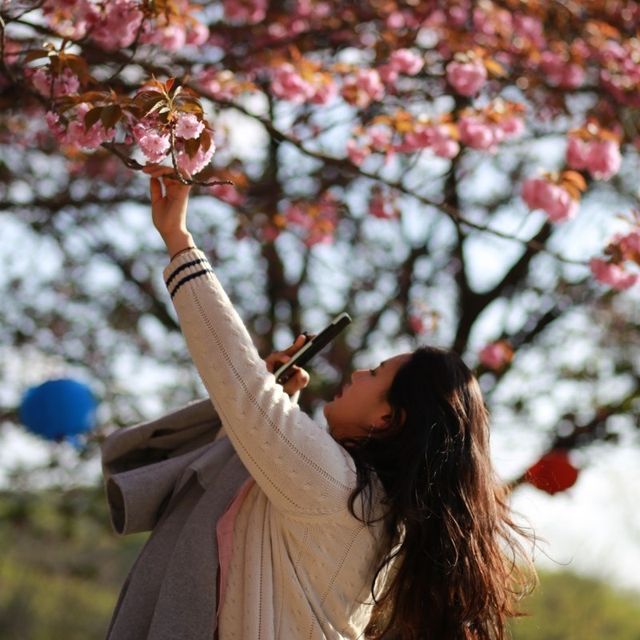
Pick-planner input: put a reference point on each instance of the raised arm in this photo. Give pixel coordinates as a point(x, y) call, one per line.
point(299, 466)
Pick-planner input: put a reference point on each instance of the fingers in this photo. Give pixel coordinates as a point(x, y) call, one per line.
point(156, 170)
point(298, 343)
point(156, 190)
point(276, 360)
point(298, 381)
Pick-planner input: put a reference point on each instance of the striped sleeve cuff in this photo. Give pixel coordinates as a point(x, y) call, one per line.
point(186, 266)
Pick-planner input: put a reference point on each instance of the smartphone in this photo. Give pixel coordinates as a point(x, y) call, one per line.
point(312, 346)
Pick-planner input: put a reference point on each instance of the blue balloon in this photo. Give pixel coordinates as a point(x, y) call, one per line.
point(58, 409)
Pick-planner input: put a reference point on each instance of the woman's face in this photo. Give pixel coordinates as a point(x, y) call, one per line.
point(361, 405)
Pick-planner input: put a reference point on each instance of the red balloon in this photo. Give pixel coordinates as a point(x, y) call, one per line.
point(553, 472)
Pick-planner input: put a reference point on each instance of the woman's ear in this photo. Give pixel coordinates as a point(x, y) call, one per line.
point(387, 419)
point(391, 417)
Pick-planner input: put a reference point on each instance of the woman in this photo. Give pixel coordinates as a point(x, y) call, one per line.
point(390, 524)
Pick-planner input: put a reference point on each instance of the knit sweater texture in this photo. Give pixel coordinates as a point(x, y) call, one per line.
point(301, 564)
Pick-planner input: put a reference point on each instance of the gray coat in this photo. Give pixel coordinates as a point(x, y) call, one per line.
point(171, 477)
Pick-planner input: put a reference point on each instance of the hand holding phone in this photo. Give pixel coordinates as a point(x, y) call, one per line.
point(312, 346)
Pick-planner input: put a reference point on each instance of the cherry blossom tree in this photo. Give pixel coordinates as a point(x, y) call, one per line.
point(464, 174)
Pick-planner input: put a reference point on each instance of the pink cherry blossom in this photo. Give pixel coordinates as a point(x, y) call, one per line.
point(612, 274)
point(603, 159)
point(379, 137)
point(442, 144)
point(316, 221)
point(171, 37)
point(64, 84)
point(420, 138)
point(220, 84)
point(363, 88)
point(512, 127)
point(577, 152)
point(573, 76)
point(114, 24)
point(436, 137)
point(250, 11)
point(228, 193)
point(530, 27)
point(154, 145)
point(496, 355)
point(324, 91)
point(630, 246)
point(356, 154)
point(188, 126)
point(368, 81)
point(388, 74)
point(406, 61)
point(459, 14)
point(559, 72)
point(53, 122)
point(191, 165)
point(477, 134)
point(75, 134)
point(552, 198)
point(287, 83)
point(197, 34)
point(466, 78)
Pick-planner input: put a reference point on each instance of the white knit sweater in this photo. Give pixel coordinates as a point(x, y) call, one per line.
point(301, 565)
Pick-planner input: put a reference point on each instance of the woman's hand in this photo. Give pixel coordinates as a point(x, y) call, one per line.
point(300, 379)
point(169, 211)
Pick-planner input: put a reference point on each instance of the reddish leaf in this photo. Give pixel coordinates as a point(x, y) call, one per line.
point(92, 116)
point(35, 55)
point(575, 178)
point(110, 115)
point(191, 146)
point(205, 140)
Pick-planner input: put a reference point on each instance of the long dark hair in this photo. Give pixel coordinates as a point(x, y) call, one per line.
point(453, 564)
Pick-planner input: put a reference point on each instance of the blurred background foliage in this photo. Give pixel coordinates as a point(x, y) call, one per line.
point(62, 568)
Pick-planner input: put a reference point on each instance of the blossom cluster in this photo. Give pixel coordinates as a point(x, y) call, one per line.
point(496, 355)
point(112, 25)
point(116, 24)
point(302, 84)
point(247, 11)
point(553, 198)
point(479, 132)
point(613, 271)
point(467, 78)
point(600, 157)
point(439, 137)
point(74, 133)
point(316, 221)
point(50, 84)
point(561, 72)
point(154, 140)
